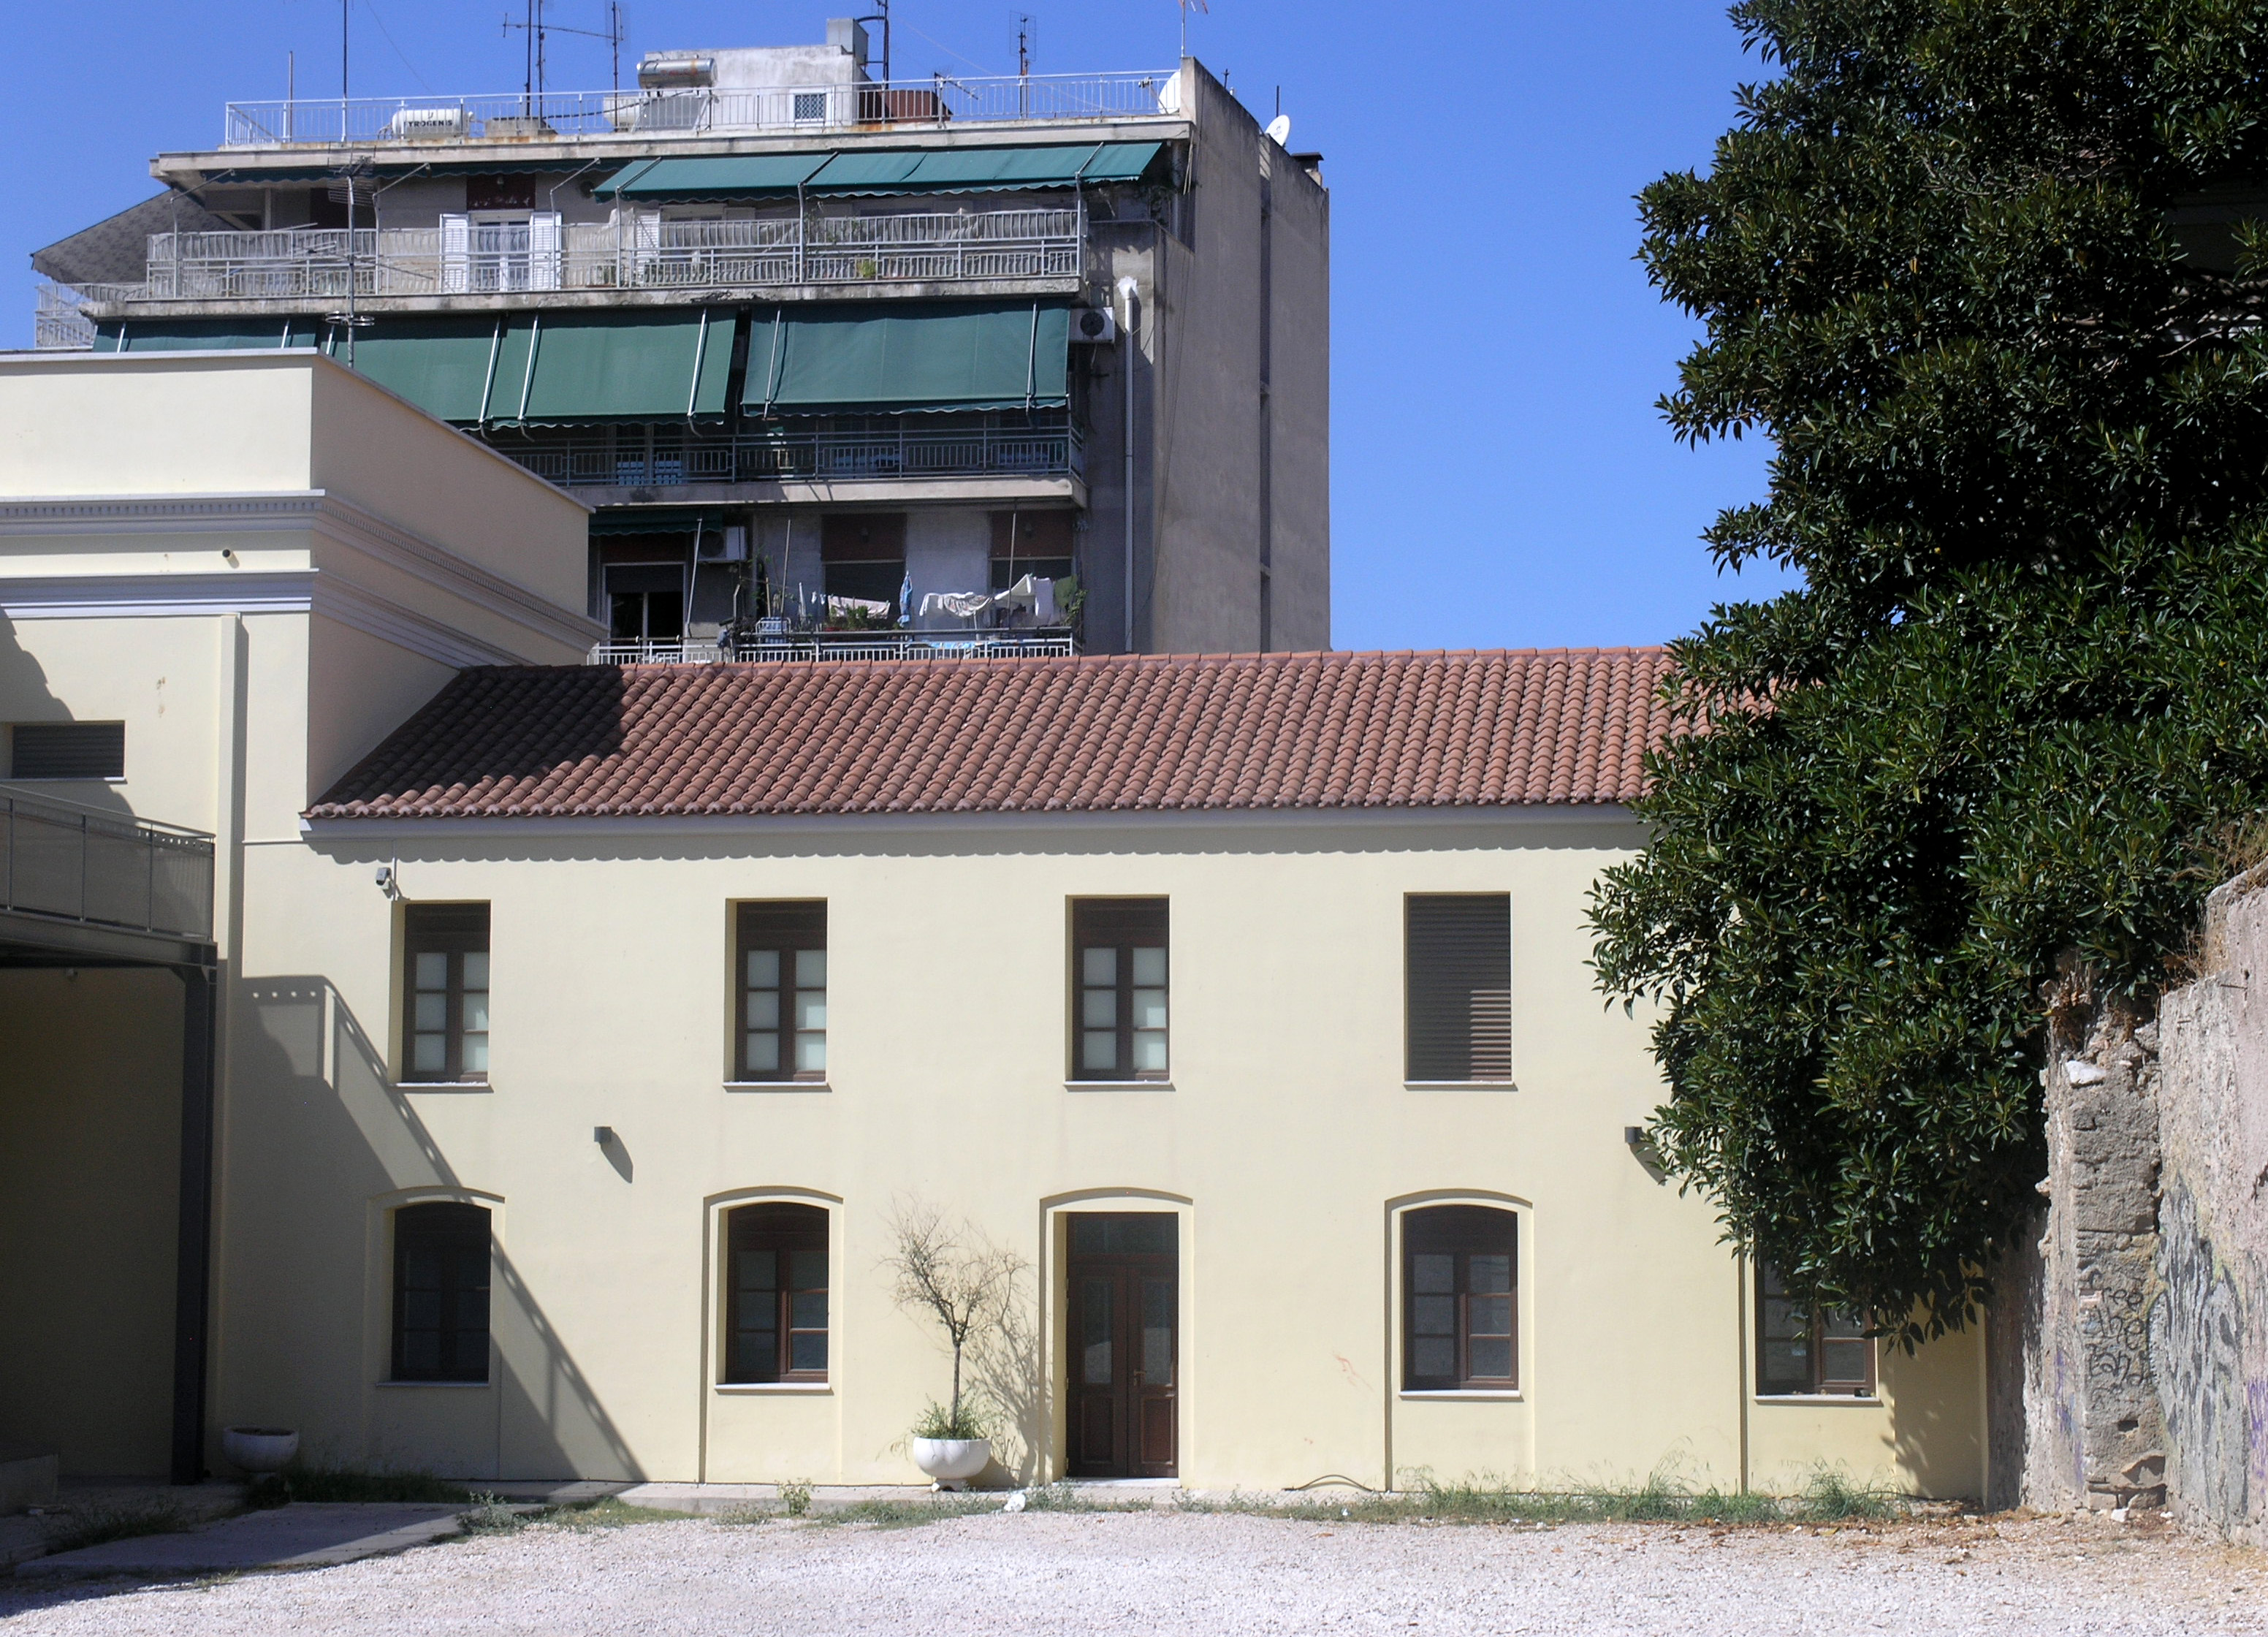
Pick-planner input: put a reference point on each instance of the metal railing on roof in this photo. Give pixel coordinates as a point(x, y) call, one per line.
point(59, 860)
point(518, 117)
point(1045, 643)
point(668, 455)
point(632, 252)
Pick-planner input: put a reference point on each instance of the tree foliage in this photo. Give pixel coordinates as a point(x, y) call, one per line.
point(1970, 265)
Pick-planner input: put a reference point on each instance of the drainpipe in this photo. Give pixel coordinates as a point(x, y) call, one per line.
point(1126, 434)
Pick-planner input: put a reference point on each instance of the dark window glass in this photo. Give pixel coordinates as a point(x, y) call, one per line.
point(1459, 987)
point(441, 1294)
point(444, 1025)
point(1118, 988)
point(645, 602)
point(1127, 1234)
point(782, 978)
point(1806, 1349)
point(68, 750)
point(1459, 1274)
point(776, 1293)
point(863, 555)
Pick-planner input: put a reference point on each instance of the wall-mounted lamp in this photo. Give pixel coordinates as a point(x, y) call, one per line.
point(228, 553)
point(1634, 1135)
point(602, 1134)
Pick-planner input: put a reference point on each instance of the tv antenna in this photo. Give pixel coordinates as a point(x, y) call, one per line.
point(1027, 36)
point(539, 27)
point(1204, 6)
point(881, 14)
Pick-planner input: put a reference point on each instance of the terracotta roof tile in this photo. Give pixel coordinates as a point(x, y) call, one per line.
point(1144, 731)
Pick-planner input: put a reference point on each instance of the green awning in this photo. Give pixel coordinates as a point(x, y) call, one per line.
point(566, 367)
point(881, 170)
point(716, 176)
point(443, 365)
point(910, 355)
point(211, 334)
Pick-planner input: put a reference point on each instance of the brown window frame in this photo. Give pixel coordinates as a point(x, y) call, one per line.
point(451, 931)
point(1456, 988)
point(1121, 925)
point(785, 928)
point(787, 1231)
point(1816, 1342)
point(451, 1231)
point(1461, 1232)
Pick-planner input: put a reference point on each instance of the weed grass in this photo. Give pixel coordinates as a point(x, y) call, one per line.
point(607, 1513)
point(96, 1523)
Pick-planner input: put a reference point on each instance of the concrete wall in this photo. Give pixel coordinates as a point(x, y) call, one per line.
point(90, 1156)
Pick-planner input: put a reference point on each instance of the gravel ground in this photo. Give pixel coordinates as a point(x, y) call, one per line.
point(1161, 1573)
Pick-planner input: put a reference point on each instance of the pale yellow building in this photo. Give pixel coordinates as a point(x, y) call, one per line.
point(582, 1028)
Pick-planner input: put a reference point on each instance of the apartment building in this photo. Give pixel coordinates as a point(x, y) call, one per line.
point(1036, 365)
point(577, 1030)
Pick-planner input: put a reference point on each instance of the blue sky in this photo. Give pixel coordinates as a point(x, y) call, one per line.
point(1501, 475)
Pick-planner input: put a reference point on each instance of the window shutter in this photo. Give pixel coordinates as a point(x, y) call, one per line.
point(456, 252)
point(1460, 986)
point(545, 231)
point(69, 750)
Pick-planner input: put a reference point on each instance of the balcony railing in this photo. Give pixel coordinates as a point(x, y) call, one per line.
point(578, 116)
point(629, 253)
point(665, 456)
point(1052, 643)
point(64, 862)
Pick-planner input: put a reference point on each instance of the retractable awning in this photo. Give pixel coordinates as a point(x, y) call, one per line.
point(881, 170)
point(210, 334)
point(545, 368)
point(915, 356)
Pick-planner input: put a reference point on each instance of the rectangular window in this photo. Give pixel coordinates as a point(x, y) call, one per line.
point(441, 1293)
point(1119, 988)
point(1806, 1349)
point(1459, 1293)
point(445, 1027)
point(783, 975)
point(1459, 987)
point(67, 750)
point(776, 1306)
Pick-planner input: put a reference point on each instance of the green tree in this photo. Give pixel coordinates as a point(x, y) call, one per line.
point(1982, 271)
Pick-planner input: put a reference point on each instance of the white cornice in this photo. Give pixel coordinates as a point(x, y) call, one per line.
point(1596, 816)
point(314, 510)
point(246, 590)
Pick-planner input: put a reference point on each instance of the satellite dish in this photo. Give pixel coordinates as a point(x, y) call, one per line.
point(1279, 130)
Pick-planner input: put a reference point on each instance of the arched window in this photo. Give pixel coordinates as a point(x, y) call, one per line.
point(776, 1293)
point(1459, 1272)
point(441, 1293)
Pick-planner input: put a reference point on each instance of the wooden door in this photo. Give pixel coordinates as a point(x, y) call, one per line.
point(1125, 1345)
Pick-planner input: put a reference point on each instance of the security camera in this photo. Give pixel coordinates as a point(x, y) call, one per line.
point(385, 881)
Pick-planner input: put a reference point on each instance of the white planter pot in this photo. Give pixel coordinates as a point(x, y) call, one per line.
point(951, 1462)
point(259, 1450)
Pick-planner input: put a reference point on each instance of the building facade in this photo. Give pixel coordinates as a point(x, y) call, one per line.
point(585, 1028)
point(1040, 362)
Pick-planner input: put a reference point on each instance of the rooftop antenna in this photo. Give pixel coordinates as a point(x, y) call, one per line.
point(881, 14)
point(1204, 6)
point(343, 6)
point(1027, 35)
point(539, 28)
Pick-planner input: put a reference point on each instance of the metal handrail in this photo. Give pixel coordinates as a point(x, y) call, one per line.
point(631, 252)
point(66, 861)
point(628, 457)
point(1045, 643)
point(519, 116)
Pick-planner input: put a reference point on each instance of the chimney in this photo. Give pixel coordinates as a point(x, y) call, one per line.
point(848, 35)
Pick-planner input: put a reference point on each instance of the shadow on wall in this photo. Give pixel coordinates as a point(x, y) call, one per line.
point(317, 1133)
point(25, 697)
point(1009, 1369)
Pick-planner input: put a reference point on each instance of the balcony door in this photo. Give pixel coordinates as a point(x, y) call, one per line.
point(1124, 1351)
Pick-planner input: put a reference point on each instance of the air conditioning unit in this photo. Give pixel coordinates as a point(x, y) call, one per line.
point(728, 545)
point(1096, 324)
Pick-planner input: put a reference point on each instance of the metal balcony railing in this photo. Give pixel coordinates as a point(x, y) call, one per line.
point(1048, 642)
point(665, 456)
point(62, 861)
point(579, 116)
point(632, 252)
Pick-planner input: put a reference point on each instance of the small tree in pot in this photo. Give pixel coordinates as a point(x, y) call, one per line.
point(951, 1272)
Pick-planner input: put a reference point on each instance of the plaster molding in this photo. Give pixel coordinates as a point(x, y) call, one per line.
point(315, 511)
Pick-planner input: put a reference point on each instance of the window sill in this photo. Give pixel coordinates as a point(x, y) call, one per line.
point(1459, 1085)
point(451, 1384)
point(1812, 1400)
point(777, 1085)
point(1118, 1085)
point(1500, 1395)
point(761, 1389)
point(444, 1085)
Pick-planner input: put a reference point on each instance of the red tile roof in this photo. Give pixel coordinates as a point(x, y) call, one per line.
point(1128, 733)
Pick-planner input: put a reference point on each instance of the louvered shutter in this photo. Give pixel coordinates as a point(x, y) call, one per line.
point(456, 253)
point(1460, 986)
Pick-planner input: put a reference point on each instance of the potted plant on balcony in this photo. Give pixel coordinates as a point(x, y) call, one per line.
point(951, 1273)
